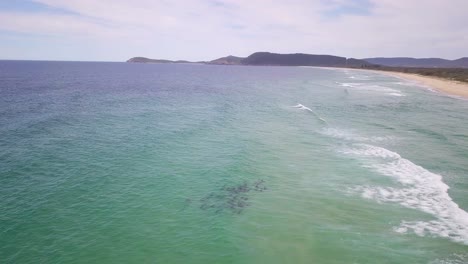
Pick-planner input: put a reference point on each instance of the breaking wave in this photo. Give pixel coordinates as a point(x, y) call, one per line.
point(421, 190)
point(303, 107)
point(352, 136)
point(363, 87)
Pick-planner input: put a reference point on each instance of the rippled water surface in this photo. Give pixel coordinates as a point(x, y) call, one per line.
point(153, 163)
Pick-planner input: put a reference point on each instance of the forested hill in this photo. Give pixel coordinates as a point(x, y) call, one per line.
point(301, 59)
point(422, 63)
point(273, 59)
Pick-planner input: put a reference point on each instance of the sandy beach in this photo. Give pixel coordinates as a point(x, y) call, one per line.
point(438, 84)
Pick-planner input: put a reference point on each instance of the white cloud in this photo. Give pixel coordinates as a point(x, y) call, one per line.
point(200, 30)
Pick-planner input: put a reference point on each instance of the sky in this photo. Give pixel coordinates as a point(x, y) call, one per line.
point(116, 30)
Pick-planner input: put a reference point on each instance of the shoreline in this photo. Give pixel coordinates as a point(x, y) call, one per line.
point(444, 86)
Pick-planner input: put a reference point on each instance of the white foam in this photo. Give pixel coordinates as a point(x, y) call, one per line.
point(366, 150)
point(396, 94)
point(303, 107)
point(349, 84)
point(453, 259)
point(376, 88)
point(359, 77)
point(405, 83)
point(421, 190)
point(372, 88)
point(352, 136)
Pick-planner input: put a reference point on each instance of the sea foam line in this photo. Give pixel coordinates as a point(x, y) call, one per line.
point(363, 87)
point(349, 135)
point(422, 190)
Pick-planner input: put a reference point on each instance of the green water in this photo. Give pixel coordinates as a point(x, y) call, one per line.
point(125, 163)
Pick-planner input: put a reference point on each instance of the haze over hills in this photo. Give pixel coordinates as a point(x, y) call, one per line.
point(274, 59)
point(455, 70)
point(146, 60)
point(422, 63)
point(302, 59)
point(229, 60)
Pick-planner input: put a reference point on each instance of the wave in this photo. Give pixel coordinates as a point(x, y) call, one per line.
point(396, 94)
point(422, 190)
point(360, 77)
point(363, 87)
point(348, 84)
point(452, 259)
point(303, 107)
point(352, 136)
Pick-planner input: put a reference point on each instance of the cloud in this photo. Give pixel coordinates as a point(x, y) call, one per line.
point(198, 30)
point(336, 8)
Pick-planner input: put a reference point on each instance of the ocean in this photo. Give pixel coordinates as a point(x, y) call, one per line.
point(186, 163)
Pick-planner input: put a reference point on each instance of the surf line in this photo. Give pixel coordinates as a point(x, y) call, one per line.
point(303, 107)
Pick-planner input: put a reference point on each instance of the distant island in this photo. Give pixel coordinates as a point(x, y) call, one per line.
point(455, 70)
point(229, 60)
point(146, 60)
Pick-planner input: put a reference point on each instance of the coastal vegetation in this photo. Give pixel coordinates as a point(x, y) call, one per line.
point(419, 62)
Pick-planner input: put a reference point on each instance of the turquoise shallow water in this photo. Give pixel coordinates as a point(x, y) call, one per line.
point(137, 163)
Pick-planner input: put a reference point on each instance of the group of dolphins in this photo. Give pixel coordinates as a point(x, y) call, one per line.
point(234, 198)
point(231, 198)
